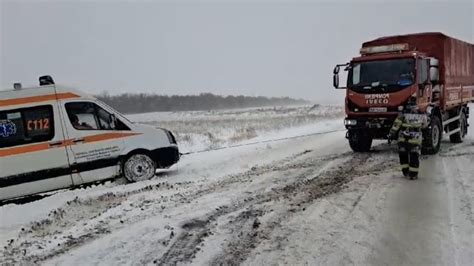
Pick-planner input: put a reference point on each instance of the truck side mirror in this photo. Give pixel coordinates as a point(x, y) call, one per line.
point(335, 78)
point(434, 61)
point(434, 74)
point(423, 69)
point(434, 70)
point(335, 81)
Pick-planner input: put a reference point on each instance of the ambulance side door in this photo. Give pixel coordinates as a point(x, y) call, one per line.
point(95, 144)
point(33, 156)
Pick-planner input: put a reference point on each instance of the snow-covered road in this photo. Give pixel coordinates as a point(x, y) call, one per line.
point(301, 201)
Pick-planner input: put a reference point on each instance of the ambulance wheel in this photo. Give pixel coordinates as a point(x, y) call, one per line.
point(462, 125)
point(432, 137)
point(359, 141)
point(138, 167)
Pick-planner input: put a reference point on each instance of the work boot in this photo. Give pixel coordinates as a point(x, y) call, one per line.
point(405, 172)
point(413, 175)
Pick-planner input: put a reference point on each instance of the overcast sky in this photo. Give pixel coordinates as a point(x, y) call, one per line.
point(269, 48)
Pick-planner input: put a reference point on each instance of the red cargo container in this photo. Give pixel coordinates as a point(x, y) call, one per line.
point(437, 69)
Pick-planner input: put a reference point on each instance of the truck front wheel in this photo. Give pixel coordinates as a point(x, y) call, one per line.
point(432, 137)
point(359, 141)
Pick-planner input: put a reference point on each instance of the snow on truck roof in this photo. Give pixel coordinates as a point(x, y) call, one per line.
point(413, 36)
point(438, 34)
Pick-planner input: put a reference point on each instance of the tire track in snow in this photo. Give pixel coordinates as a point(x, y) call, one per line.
point(296, 198)
point(80, 220)
point(55, 234)
point(251, 230)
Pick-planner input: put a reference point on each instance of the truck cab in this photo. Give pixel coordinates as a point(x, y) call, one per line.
point(387, 73)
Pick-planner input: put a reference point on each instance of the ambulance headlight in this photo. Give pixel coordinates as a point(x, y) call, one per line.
point(350, 122)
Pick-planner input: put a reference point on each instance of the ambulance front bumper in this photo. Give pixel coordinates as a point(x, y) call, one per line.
point(166, 157)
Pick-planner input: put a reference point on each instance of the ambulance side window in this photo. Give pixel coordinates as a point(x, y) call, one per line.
point(109, 122)
point(82, 115)
point(26, 125)
point(90, 116)
point(105, 119)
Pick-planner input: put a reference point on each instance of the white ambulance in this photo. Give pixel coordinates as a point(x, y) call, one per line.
point(53, 137)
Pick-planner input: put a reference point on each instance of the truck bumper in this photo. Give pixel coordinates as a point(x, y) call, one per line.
point(377, 128)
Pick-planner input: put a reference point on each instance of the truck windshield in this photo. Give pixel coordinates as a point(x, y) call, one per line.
point(382, 76)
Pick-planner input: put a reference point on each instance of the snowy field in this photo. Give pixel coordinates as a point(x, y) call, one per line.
point(306, 200)
point(201, 130)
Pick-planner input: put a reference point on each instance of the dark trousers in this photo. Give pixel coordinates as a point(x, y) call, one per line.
point(409, 158)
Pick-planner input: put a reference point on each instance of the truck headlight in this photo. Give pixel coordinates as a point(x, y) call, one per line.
point(350, 122)
point(429, 110)
point(400, 108)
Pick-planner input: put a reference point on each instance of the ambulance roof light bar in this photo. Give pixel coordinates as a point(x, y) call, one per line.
point(46, 80)
point(399, 47)
point(17, 86)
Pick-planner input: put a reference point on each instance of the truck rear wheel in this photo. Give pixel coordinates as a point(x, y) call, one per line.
point(359, 141)
point(462, 125)
point(432, 137)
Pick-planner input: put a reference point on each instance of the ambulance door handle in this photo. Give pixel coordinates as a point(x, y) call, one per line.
point(80, 140)
point(55, 144)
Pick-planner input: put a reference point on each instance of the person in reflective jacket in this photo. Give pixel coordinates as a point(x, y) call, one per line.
point(407, 127)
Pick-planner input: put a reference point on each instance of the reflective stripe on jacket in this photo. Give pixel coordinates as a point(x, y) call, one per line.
point(408, 126)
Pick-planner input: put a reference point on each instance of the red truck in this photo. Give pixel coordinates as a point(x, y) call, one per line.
point(437, 69)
